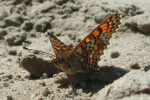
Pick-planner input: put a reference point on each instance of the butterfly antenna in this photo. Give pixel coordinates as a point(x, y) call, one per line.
point(39, 51)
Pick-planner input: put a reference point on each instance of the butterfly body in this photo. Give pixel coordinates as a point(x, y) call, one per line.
point(62, 63)
point(87, 53)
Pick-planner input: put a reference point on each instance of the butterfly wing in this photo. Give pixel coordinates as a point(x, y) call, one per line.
point(87, 53)
point(58, 46)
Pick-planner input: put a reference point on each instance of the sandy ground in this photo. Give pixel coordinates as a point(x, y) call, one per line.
point(124, 72)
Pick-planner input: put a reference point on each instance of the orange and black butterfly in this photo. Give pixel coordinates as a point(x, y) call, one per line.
point(87, 53)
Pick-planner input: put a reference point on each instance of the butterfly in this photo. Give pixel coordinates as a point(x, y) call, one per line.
point(87, 53)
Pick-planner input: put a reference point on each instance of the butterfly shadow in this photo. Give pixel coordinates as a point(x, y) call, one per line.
point(96, 80)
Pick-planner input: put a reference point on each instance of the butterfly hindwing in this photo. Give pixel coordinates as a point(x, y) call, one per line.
point(58, 46)
point(87, 53)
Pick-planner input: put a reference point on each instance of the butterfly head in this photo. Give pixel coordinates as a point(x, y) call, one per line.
point(61, 63)
point(60, 60)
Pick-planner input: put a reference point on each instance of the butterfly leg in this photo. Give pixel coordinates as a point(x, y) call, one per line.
point(58, 70)
point(71, 84)
point(70, 78)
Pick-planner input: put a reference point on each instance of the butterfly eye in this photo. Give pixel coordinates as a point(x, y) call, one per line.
point(60, 59)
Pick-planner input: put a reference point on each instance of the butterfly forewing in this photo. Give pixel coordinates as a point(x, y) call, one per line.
point(87, 53)
point(58, 46)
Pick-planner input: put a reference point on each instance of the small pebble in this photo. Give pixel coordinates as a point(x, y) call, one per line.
point(11, 81)
point(135, 66)
point(67, 10)
point(42, 24)
point(74, 7)
point(5, 84)
point(33, 35)
point(42, 83)
point(12, 52)
point(16, 38)
point(115, 54)
point(90, 94)
point(60, 2)
point(9, 97)
point(72, 36)
point(61, 78)
point(146, 68)
point(46, 92)
point(8, 77)
point(13, 20)
point(18, 76)
point(27, 25)
point(78, 40)
point(45, 75)
point(79, 92)
point(2, 33)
